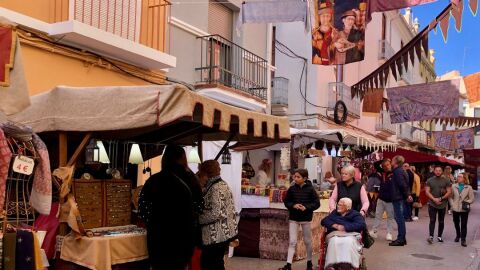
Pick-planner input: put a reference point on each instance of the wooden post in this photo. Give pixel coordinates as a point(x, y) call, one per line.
point(62, 149)
point(79, 149)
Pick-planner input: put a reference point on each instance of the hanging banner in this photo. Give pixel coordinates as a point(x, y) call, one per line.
point(454, 139)
point(338, 35)
point(472, 84)
point(424, 101)
point(382, 5)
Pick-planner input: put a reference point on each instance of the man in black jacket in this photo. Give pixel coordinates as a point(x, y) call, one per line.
point(407, 212)
point(400, 193)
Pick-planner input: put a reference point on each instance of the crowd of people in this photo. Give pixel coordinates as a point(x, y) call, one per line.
point(201, 207)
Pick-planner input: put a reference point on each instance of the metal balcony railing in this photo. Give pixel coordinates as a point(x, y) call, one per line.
point(119, 17)
point(404, 131)
point(340, 91)
point(280, 91)
point(385, 50)
point(384, 123)
point(225, 62)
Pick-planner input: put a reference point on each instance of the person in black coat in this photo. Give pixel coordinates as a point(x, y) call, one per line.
point(169, 204)
point(301, 200)
point(400, 193)
point(344, 219)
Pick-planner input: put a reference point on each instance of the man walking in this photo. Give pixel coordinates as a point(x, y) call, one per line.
point(400, 193)
point(438, 191)
point(407, 211)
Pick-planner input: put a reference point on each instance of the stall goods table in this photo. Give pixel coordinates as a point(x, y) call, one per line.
point(112, 247)
point(263, 233)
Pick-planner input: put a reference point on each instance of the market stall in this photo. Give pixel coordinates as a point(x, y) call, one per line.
point(263, 226)
point(105, 135)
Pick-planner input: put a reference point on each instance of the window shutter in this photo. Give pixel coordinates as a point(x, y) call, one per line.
point(220, 20)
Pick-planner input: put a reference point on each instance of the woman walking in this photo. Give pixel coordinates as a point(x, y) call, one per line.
point(218, 221)
point(301, 200)
point(462, 197)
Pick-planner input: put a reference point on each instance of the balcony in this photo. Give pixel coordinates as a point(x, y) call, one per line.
point(280, 96)
point(404, 132)
point(340, 91)
point(227, 69)
point(420, 136)
point(384, 126)
point(385, 50)
point(128, 30)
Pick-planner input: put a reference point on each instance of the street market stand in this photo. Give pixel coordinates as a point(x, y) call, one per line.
point(149, 115)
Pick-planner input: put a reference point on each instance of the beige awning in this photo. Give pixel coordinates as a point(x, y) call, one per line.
point(162, 113)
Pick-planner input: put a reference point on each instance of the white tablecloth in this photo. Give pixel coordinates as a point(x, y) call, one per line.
point(252, 201)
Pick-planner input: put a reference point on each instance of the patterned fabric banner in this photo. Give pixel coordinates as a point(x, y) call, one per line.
point(424, 101)
point(455, 139)
point(338, 35)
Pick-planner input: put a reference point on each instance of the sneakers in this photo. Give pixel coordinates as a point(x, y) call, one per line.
point(389, 237)
point(449, 212)
point(440, 239)
point(430, 240)
point(373, 234)
point(415, 218)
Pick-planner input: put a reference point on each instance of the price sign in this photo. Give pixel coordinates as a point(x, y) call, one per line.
point(23, 165)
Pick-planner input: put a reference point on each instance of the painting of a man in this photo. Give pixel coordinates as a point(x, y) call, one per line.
point(349, 42)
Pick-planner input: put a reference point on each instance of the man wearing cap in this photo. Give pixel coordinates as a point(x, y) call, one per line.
point(350, 41)
point(322, 36)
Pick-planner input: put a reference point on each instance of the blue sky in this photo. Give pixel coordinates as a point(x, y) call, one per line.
point(462, 50)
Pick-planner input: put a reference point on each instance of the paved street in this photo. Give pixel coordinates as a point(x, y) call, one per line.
point(418, 254)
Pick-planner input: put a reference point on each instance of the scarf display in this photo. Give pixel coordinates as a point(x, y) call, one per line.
point(5, 157)
point(9, 250)
point(41, 196)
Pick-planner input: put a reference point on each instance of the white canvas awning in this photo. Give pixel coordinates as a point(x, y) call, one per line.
point(155, 113)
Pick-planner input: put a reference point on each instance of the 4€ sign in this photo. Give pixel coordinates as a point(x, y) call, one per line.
point(23, 165)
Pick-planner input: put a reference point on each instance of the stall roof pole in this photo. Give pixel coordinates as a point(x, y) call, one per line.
point(62, 149)
point(79, 149)
point(232, 135)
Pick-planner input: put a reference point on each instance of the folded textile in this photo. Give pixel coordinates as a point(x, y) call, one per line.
point(9, 248)
point(24, 251)
point(50, 224)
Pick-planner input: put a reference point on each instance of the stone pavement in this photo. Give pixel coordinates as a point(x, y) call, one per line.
point(418, 254)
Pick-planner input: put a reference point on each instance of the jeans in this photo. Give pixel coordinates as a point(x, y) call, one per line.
point(398, 210)
point(407, 210)
point(293, 235)
point(212, 256)
point(460, 220)
point(383, 206)
point(432, 212)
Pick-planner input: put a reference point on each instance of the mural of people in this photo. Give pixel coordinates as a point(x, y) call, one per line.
point(339, 35)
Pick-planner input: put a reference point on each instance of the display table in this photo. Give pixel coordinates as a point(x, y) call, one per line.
point(101, 252)
point(263, 232)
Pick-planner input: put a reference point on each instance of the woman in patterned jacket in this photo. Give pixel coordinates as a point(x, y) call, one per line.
point(218, 222)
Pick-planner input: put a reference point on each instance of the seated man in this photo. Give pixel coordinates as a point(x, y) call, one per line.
point(343, 227)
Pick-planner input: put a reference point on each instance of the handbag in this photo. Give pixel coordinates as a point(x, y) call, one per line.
point(465, 206)
point(248, 168)
point(367, 239)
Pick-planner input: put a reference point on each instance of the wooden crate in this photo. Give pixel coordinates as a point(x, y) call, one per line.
point(103, 203)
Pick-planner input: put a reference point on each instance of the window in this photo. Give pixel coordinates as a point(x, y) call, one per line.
point(220, 20)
